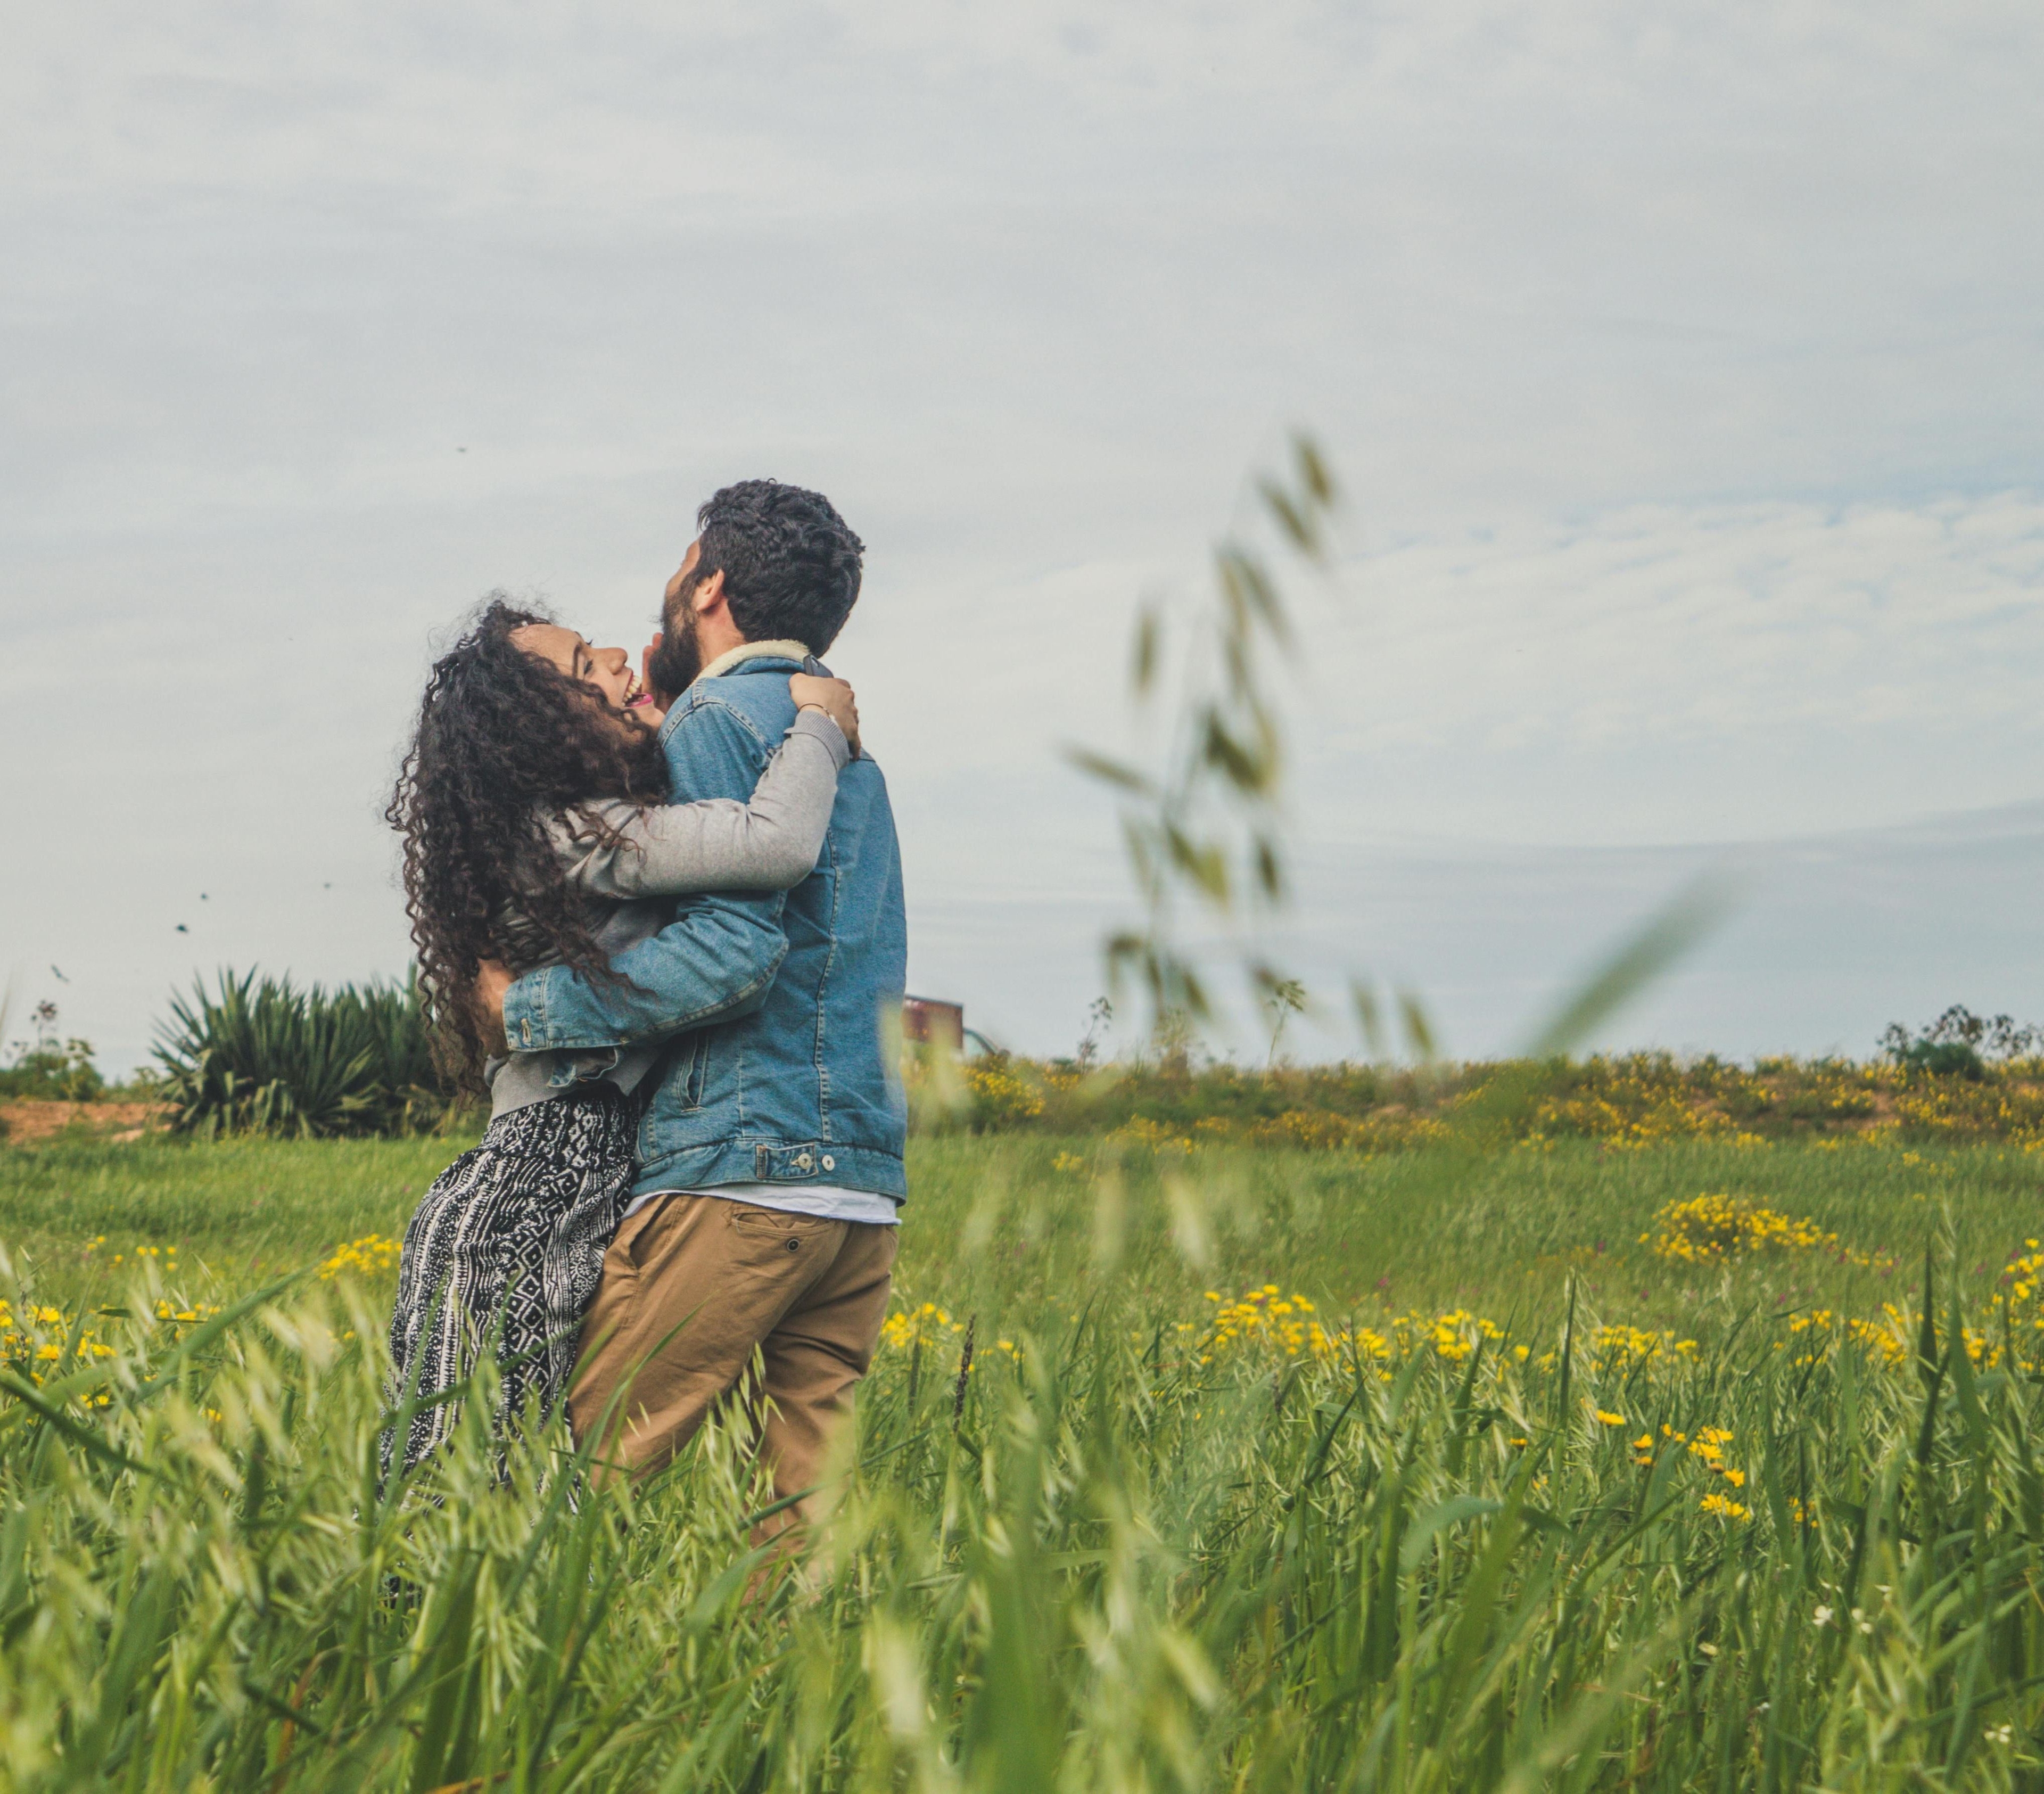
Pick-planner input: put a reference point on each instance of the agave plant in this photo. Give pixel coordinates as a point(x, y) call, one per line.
point(261, 1055)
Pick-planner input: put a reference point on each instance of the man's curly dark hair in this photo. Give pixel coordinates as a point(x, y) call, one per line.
point(791, 564)
point(505, 740)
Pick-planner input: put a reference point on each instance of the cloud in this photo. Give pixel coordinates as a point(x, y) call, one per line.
point(1678, 365)
point(1702, 626)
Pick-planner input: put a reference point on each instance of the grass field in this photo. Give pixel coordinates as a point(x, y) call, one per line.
point(1006, 1225)
point(1273, 1469)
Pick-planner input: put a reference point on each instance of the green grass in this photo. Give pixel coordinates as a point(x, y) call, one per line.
point(236, 1205)
point(1131, 1553)
point(1005, 1226)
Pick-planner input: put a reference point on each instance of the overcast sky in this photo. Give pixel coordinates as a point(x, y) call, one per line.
point(1681, 365)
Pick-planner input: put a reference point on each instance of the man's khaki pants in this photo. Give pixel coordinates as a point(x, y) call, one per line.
point(692, 1286)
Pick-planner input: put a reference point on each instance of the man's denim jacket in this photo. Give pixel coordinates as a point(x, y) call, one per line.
point(786, 1006)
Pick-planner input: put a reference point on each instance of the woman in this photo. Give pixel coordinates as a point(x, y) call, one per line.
point(531, 803)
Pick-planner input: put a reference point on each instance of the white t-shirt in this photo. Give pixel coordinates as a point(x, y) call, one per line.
point(831, 1202)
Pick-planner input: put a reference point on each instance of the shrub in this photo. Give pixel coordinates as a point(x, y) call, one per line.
point(53, 1073)
point(999, 1098)
point(1952, 1045)
point(46, 1071)
point(1945, 1059)
point(1627, 1101)
point(1710, 1228)
point(261, 1055)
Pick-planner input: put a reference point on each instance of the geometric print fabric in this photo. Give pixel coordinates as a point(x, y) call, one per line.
point(504, 1253)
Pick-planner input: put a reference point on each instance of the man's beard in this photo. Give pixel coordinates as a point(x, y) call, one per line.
point(679, 658)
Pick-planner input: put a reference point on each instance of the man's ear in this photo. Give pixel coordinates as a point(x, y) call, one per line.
point(708, 598)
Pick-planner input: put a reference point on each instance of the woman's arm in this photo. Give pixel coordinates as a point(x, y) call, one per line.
point(769, 844)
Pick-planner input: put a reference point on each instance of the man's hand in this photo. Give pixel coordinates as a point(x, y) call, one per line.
point(491, 981)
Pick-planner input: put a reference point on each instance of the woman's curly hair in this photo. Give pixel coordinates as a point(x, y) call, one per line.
point(505, 741)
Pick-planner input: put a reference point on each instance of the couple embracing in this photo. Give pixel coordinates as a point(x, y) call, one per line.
point(661, 918)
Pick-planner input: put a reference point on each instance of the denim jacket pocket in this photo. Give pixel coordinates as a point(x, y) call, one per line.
point(695, 1079)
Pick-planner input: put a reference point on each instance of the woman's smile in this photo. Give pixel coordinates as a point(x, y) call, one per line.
point(607, 671)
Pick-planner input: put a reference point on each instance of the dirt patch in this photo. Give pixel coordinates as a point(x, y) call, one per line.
point(25, 1124)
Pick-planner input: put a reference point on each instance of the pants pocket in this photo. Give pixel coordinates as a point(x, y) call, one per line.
point(773, 1239)
point(630, 1241)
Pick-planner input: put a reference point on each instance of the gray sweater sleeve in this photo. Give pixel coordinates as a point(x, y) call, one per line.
point(719, 844)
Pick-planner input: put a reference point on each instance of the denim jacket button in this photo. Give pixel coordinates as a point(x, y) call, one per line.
point(805, 1163)
point(830, 1164)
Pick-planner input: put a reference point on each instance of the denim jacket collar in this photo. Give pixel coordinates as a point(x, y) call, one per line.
point(796, 652)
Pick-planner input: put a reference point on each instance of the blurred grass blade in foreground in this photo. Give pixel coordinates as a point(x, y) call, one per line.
point(1664, 937)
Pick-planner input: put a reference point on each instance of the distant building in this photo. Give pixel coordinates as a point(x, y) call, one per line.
point(933, 1023)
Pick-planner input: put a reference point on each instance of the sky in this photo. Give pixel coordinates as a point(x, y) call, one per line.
point(1680, 367)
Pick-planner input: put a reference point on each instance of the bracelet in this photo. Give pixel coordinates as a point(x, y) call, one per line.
point(833, 722)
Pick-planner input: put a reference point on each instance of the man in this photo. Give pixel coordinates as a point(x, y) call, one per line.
point(763, 1218)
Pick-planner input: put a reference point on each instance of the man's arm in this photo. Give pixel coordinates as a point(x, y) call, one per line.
point(717, 959)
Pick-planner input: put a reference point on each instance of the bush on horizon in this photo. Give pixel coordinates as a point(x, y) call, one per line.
point(1917, 1096)
point(49, 1069)
point(53, 1073)
point(255, 1055)
point(262, 1055)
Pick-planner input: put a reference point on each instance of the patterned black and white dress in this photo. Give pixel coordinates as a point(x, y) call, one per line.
point(503, 1256)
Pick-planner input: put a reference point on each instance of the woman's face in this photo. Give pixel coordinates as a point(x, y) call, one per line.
point(607, 671)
